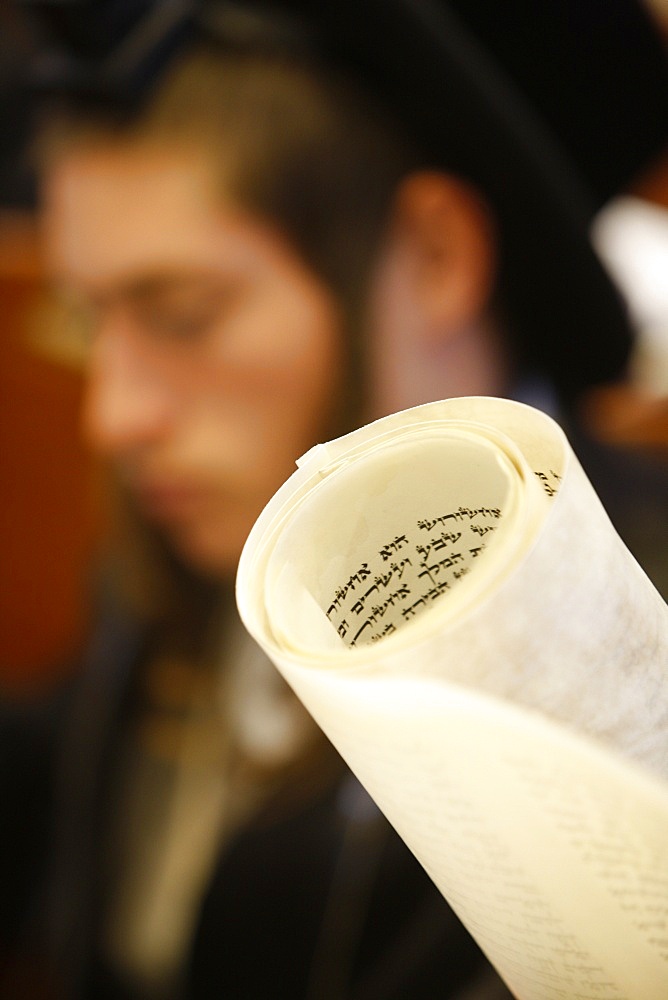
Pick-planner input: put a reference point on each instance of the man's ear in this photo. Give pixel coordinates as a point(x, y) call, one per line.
point(447, 234)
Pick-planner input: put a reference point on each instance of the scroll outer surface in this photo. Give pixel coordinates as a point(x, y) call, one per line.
point(446, 595)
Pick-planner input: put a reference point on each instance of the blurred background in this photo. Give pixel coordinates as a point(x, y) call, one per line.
point(46, 514)
point(50, 513)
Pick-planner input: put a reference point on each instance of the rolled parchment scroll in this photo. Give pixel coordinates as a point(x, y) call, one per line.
point(446, 595)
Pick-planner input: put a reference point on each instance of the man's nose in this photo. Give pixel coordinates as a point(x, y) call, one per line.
point(127, 403)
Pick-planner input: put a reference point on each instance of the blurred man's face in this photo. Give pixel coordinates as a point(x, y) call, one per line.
point(215, 353)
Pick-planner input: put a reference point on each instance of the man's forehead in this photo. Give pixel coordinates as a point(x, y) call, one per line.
point(107, 213)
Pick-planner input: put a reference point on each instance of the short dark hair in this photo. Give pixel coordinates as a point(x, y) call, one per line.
point(326, 171)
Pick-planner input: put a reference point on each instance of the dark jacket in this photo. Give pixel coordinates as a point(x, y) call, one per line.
point(316, 898)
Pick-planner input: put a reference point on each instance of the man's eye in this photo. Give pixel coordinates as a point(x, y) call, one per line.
point(183, 323)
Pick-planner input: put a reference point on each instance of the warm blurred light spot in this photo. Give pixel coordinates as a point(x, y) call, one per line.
point(46, 519)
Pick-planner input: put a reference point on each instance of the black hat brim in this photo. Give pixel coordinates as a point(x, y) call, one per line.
point(441, 76)
point(563, 311)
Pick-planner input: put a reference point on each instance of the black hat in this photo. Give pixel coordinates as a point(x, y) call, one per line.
point(549, 107)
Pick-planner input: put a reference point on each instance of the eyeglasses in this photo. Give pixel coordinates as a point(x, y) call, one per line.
point(177, 311)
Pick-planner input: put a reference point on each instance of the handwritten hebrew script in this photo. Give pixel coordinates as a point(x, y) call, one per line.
point(409, 572)
point(445, 593)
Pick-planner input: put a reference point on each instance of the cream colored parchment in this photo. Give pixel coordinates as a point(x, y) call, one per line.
point(447, 596)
